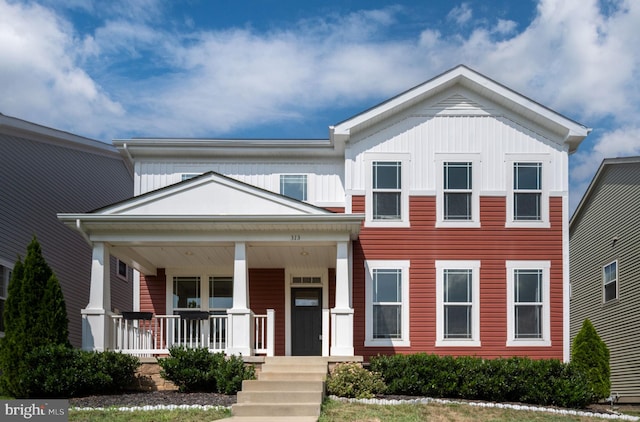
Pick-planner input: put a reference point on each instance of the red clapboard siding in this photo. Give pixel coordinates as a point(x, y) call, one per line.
point(153, 292)
point(492, 244)
point(266, 291)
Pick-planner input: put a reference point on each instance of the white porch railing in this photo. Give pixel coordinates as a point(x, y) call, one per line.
point(154, 335)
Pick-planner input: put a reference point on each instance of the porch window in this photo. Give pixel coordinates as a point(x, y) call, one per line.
point(220, 293)
point(387, 303)
point(186, 292)
point(294, 186)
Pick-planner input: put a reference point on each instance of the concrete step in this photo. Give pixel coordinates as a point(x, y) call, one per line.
point(291, 376)
point(292, 360)
point(322, 368)
point(286, 385)
point(280, 396)
point(271, 409)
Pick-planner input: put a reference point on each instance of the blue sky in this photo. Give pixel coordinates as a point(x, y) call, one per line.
point(289, 69)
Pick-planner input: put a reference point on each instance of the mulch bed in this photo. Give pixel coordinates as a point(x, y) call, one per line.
point(154, 398)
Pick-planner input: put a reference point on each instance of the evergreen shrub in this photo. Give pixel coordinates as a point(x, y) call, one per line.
point(354, 381)
point(196, 369)
point(515, 379)
point(591, 355)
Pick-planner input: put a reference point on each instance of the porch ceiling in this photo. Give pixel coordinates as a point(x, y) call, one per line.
point(259, 255)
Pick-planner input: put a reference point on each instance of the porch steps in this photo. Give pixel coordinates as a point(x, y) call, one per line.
point(287, 389)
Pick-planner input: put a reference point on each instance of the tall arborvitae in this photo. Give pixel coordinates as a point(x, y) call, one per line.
point(35, 316)
point(591, 355)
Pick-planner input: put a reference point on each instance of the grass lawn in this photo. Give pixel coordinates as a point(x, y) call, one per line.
point(334, 411)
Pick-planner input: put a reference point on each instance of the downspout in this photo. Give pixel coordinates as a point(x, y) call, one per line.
point(82, 232)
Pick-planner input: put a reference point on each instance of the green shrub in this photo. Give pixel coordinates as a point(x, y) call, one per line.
point(591, 355)
point(62, 372)
point(198, 370)
point(352, 380)
point(515, 379)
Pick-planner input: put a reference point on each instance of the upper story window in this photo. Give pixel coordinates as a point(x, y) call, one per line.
point(387, 199)
point(527, 191)
point(387, 303)
point(610, 281)
point(528, 315)
point(387, 190)
point(457, 198)
point(294, 186)
point(528, 195)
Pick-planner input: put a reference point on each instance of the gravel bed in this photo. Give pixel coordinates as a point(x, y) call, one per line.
point(153, 398)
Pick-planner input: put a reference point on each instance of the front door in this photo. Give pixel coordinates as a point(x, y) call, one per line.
point(306, 322)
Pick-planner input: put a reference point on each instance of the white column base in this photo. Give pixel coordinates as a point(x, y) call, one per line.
point(96, 329)
point(240, 332)
point(342, 332)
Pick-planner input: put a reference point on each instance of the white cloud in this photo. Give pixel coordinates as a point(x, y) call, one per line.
point(461, 14)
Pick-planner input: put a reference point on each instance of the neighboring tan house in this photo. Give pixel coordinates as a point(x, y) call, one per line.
point(605, 268)
point(436, 221)
point(45, 171)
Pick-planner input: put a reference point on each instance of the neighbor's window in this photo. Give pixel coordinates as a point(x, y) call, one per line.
point(294, 186)
point(5, 276)
point(527, 191)
point(528, 291)
point(186, 292)
point(387, 303)
point(457, 191)
point(123, 270)
point(387, 190)
point(610, 281)
point(458, 306)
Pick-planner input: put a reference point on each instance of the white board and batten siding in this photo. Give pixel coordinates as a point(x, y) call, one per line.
point(325, 179)
point(456, 125)
point(45, 172)
point(610, 211)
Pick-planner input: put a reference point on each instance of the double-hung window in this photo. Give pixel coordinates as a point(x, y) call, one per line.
point(528, 320)
point(528, 193)
point(458, 304)
point(610, 281)
point(294, 186)
point(387, 303)
point(457, 190)
point(387, 190)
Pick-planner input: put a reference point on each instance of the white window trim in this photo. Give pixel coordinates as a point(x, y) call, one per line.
point(474, 159)
point(204, 286)
point(545, 266)
point(404, 159)
point(510, 160)
point(617, 280)
point(379, 265)
point(474, 266)
point(309, 183)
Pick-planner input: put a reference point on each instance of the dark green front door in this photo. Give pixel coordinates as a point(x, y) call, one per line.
point(306, 322)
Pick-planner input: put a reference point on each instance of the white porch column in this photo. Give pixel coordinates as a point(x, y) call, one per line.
point(240, 314)
point(342, 314)
point(96, 323)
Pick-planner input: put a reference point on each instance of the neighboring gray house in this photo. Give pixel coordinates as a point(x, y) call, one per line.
point(45, 171)
point(605, 268)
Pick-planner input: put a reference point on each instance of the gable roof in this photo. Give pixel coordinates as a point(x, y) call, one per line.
point(607, 162)
point(572, 132)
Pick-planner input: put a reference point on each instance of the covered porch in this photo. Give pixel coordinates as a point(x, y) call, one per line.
point(253, 274)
